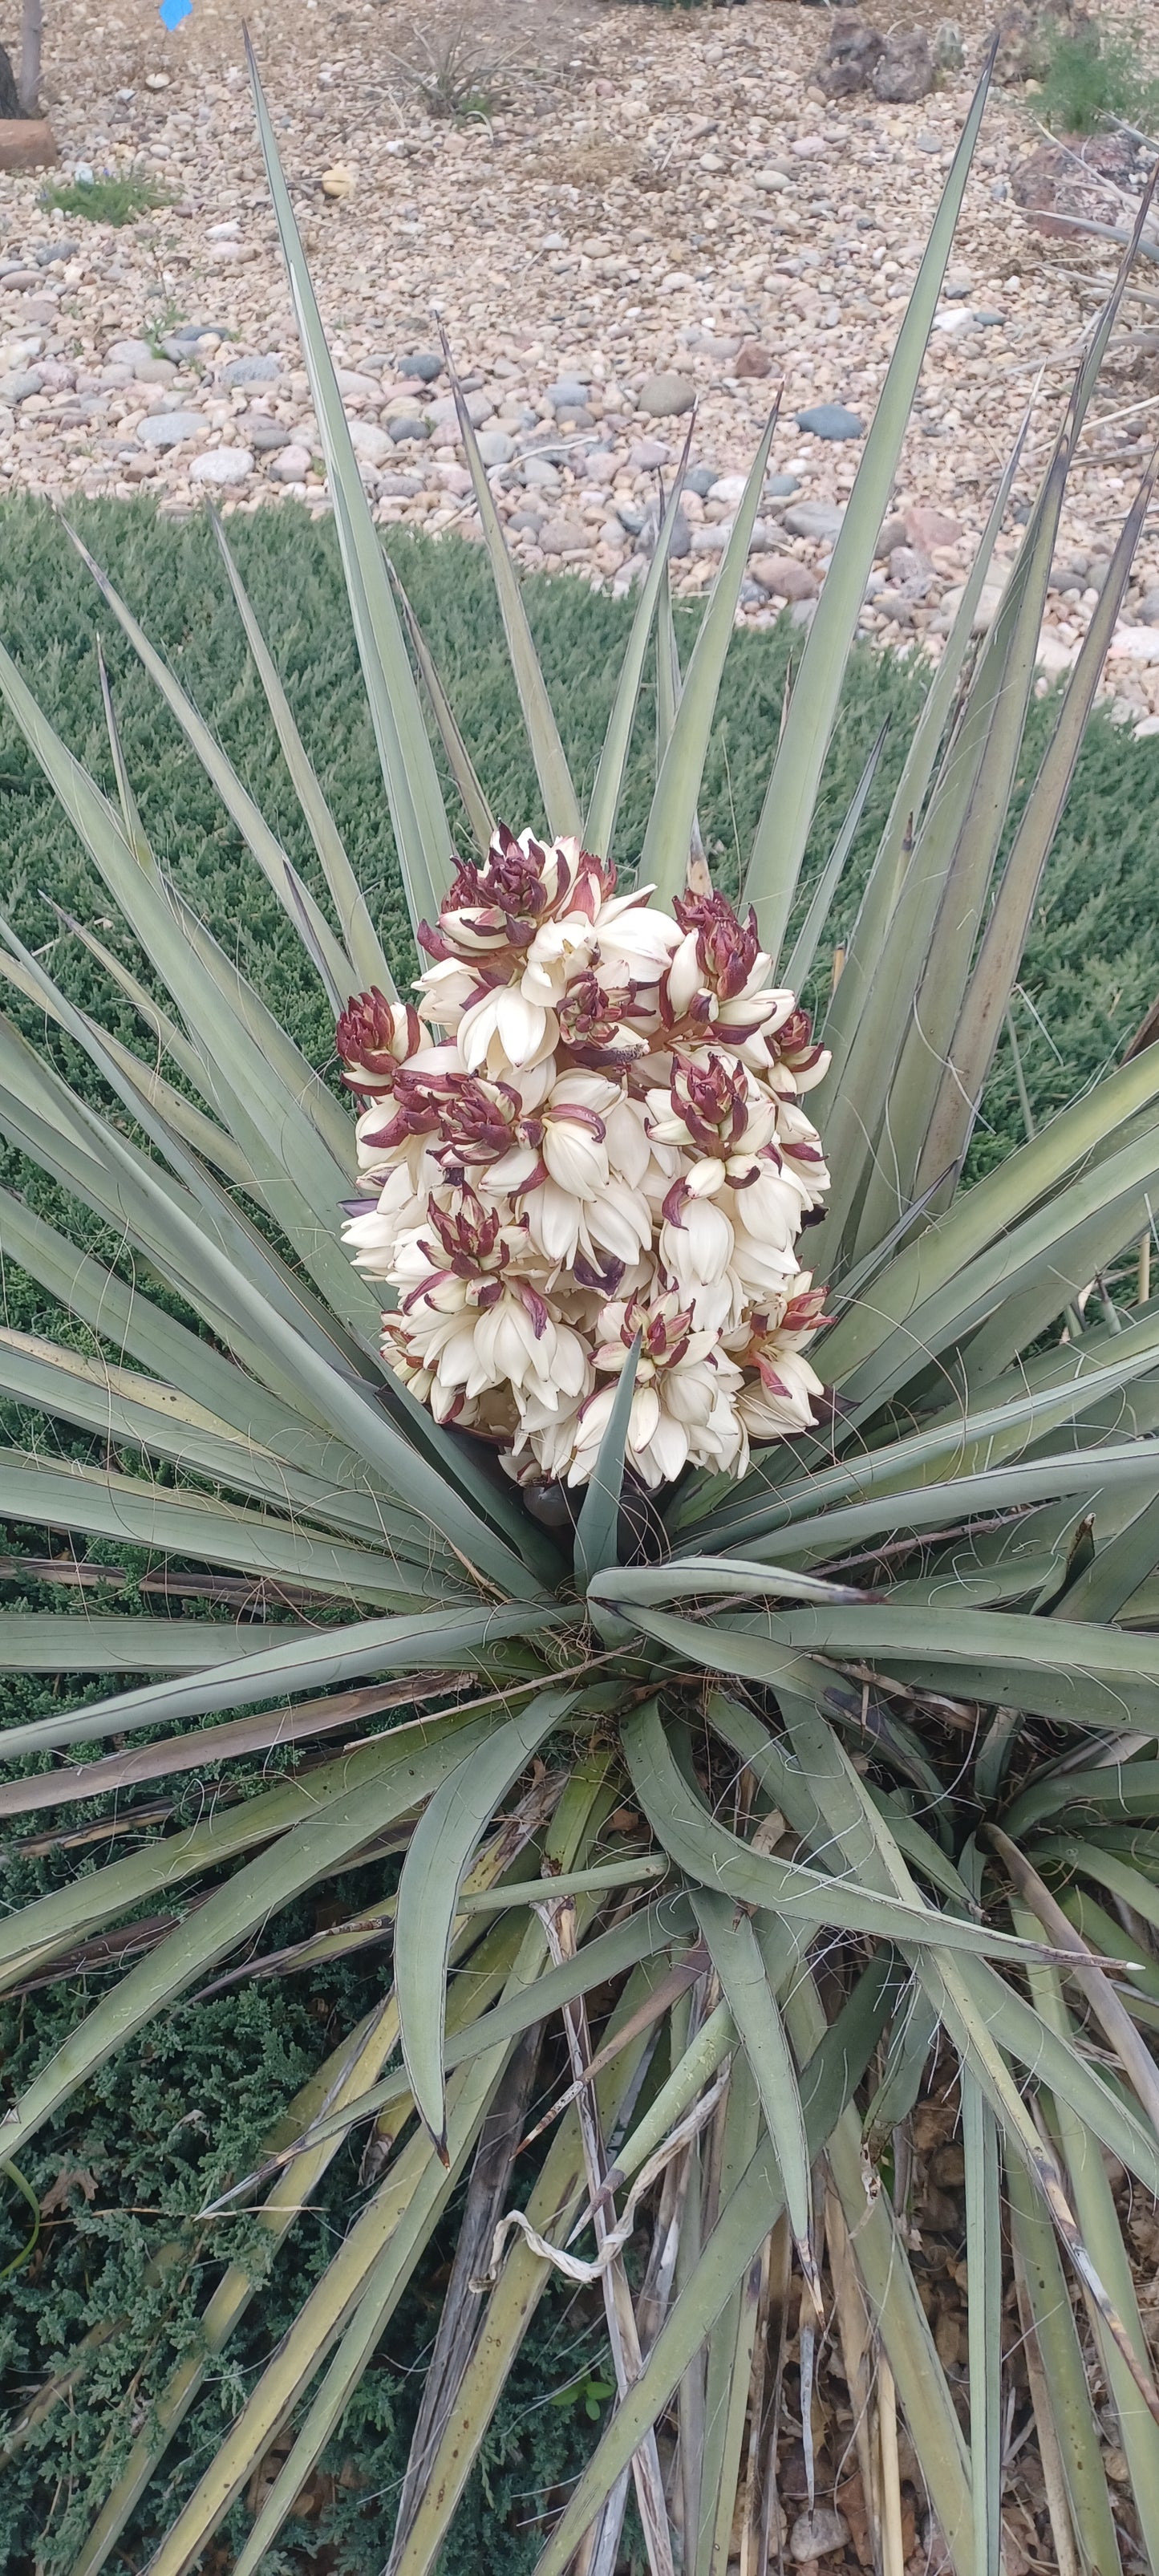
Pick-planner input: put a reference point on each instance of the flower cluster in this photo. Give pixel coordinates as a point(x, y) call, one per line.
point(589, 1133)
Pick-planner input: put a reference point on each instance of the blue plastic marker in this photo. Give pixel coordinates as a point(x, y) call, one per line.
point(173, 11)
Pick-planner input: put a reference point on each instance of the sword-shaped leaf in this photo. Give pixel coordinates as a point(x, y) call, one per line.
point(598, 1523)
point(600, 826)
point(668, 839)
point(987, 997)
point(310, 1852)
point(555, 784)
point(439, 1855)
point(783, 829)
point(760, 2030)
point(359, 937)
point(474, 802)
point(865, 945)
point(826, 2085)
point(800, 965)
point(421, 833)
point(238, 802)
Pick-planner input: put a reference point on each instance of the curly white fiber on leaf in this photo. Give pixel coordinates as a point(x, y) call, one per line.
point(589, 1129)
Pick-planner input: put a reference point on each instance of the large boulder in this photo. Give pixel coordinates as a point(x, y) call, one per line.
point(904, 71)
point(1083, 180)
point(850, 57)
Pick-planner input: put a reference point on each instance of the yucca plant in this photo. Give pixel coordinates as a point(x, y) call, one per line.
point(797, 1712)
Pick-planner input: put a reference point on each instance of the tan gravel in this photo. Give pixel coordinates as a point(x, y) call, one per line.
point(666, 189)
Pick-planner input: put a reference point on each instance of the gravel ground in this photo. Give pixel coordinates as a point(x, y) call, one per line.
point(666, 209)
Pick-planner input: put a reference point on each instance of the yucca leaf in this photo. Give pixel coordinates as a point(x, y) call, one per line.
point(982, 2013)
point(1071, 2416)
point(753, 2009)
point(395, 2223)
point(826, 2084)
point(1130, 1886)
point(421, 834)
point(984, 1213)
point(436, 1862)
point(783, 829)
point(951, 849)
point(120, 1405)
point(1015, 1428)
point(164, 1029)
point(265, 1114)
point(299, 1189)
point(555, 785)
point(693, 2072)
point(1090, 1477)
point(158, 1418)
point(107, 1505)
point(799, 968)
point(600, 824)
point(718, 1859)
point(1118, 1788)
point(706, 1575)
point(912, 2034)
point(238, 802)
point(1099, 2220)
point(300, 1361)
point(865, 944)
point(1112, 1579)
point(53, 1922)
point(1115, 2021)
point(349, 2067)
point(732, 2337)
point(672, 816)
point(962, 857)
point(554, 2203)
point(329, 1656)
point(598, 1523)
point(131, 823)
point(359, 937)
point(641, 1871)
point(168, 933)
point(1110, 1193)
point(988, 2017)
point(1000, 1657)
point(281, 1727)
point(645, 1935)
point(983, 1009)
point(148, 1334)
point(669, 678)
point(294, 1173)
point(408, 2242)
point(344, 2073)
point(471, 795)
point(207, 1139)
point(303, 1855)
point(892, 2297)
point(984, 2319)
point(44, 1641)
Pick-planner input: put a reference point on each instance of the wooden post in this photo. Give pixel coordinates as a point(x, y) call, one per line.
point(32, 25)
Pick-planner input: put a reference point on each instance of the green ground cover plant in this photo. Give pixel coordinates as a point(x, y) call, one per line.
point(117, 199)
point(1095, 77)
point(661, 1817)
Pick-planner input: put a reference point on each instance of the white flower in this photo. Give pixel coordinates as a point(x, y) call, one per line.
point(606, 1144)
point(696, 1241)
point(502, 1030)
